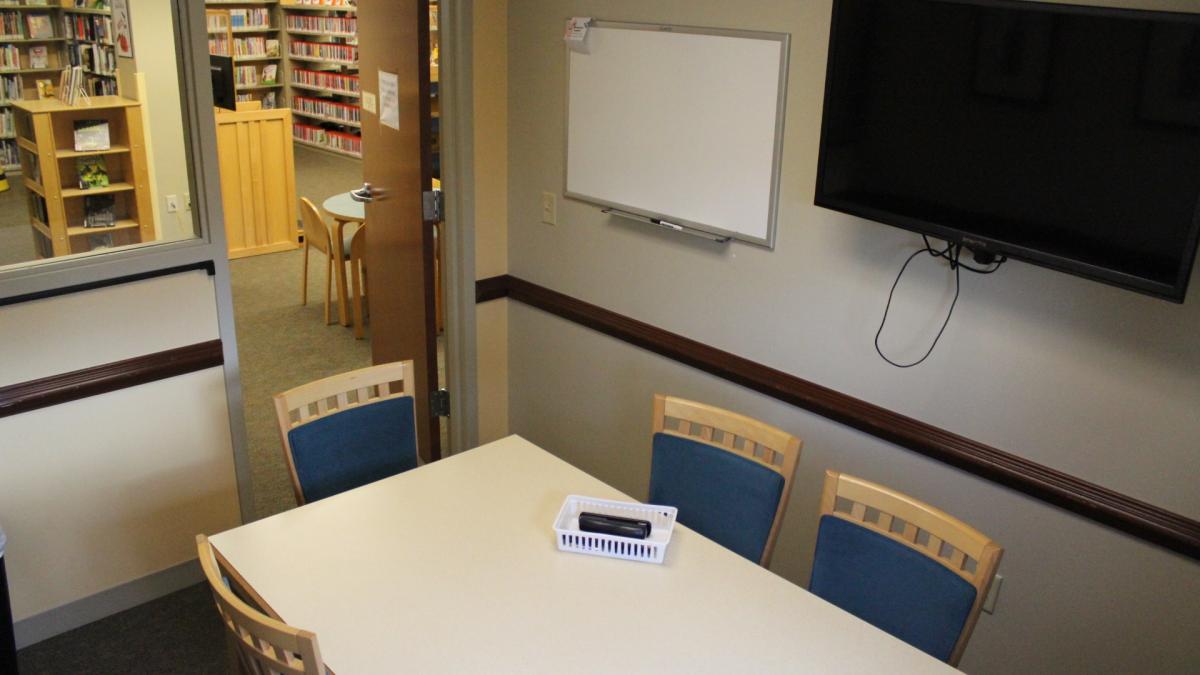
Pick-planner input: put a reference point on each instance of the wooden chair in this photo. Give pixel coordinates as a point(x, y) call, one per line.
point(904, 566)
point(729, 475)
point(316, 235)
point(358, 277)
point(264, 646)
point(348, 430)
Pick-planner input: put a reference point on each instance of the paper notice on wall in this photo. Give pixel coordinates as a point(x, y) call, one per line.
point(389, 99)
point(576, 34)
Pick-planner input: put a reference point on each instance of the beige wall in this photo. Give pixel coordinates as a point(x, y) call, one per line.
point(155, 57)
point(1092, 380)
point(109, 489)
point(490, 112)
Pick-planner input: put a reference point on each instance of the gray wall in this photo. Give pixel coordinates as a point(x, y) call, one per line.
point(1095, 381)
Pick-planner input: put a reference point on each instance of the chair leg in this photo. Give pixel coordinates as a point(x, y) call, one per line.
point(357, 289)
point(328, 286)
point(304, 277)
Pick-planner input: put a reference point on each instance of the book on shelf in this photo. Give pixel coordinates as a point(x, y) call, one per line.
point(99, 211)
point(70, 83)
point(39, 56)
point(34, 167)
point(37, 3)
point(269, 102)
point(40, 26)
point(272, 47)
point(93, 172)
point(91, 135)
point(269, 73)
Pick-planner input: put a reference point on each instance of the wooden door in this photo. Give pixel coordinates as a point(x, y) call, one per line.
point(394, 40)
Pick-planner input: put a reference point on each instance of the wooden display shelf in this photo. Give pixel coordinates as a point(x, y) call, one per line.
point(124, 224)
point(64, 153)
point(52, 124)
point(76, 193)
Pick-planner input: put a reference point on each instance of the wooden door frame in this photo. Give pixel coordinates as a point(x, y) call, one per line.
point(457, 160)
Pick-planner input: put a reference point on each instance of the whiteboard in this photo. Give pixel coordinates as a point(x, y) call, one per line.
point(679, 124)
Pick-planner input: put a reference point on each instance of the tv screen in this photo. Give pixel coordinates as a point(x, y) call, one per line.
point(1064, 136)
point(224, 85)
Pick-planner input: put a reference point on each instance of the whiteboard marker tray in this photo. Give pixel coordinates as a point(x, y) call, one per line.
point(652, 549)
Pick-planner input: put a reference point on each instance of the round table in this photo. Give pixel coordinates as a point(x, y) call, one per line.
point(343, 209)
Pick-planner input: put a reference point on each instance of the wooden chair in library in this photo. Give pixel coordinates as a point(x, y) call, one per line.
point(729, 475)
point(902, 565)
point(264, 646)
point(317, 235)
point(348, 430)
point(358, 278)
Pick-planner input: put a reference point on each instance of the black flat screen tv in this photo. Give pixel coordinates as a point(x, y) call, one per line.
point(1065, 136)
point(224, 85)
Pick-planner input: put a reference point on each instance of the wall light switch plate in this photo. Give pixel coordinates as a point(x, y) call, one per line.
point(989, 603)
point(172, 203)
point(368, 101)
point(549, 208)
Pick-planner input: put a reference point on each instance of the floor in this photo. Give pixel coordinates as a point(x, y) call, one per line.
point(178, 634)
point(16, 239)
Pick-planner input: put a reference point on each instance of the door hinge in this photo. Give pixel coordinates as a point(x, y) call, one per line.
point(439, 403)
point(433, 206)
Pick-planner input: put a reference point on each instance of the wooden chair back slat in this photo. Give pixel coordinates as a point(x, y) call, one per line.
point(316, 231)
point(292, 407)
point(928, 530)
point(264, 645)
point(744, 436)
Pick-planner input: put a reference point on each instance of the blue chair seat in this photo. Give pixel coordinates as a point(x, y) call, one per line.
point(727, 498)
point(891, 586)
point(354, 447)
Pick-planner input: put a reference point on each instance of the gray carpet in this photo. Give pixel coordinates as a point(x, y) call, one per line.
point(178, 634)
point(282, 345)
point(16, 236)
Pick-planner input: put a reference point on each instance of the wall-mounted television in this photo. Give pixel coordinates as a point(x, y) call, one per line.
point(224, 84)
point(1065, 136)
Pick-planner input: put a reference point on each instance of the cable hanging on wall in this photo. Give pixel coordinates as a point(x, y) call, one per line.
point(951, 254)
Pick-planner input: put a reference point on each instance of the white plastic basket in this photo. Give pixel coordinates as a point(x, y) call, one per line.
point(651, 549)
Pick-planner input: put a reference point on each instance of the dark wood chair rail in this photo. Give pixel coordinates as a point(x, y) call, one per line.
point(72, 386)
point(1114, 509)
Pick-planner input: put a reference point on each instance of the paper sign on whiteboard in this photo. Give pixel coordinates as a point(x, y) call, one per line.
point(389, 99)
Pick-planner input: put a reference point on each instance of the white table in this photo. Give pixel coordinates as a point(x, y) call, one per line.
point(452, 568)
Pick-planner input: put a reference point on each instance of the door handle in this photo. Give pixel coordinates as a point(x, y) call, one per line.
point(365, 194)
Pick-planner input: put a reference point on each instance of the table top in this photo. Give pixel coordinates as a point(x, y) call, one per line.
point(343, 207)
point(453, 568)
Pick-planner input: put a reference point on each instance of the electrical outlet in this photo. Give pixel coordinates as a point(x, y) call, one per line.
point(989, 603)
point(549, 208)
point(172, 203)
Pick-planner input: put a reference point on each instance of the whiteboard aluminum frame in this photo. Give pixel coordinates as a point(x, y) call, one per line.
point(780, 111)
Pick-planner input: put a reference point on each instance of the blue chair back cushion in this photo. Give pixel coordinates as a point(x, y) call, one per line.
point(891, 586)
point(729, 499)
point(354, 447)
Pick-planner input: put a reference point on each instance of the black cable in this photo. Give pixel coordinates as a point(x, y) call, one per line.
point(951, 253)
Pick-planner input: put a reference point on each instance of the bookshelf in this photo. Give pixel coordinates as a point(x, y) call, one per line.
point(322, 74)
point(87, 32)
point(248, 31)
point(30, 49)
point(58, 208)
